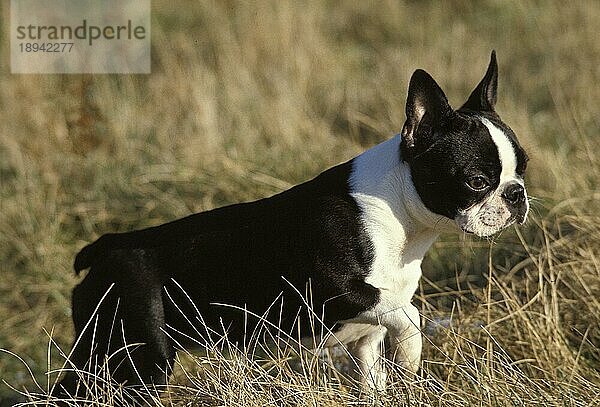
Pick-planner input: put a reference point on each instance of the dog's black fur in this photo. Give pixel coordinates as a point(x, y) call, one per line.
point(241, 255)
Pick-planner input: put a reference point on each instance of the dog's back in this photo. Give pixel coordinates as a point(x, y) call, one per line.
point(231, 259)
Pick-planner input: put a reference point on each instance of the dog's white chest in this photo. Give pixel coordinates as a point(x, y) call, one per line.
point(394, 280)
point(384, 192)
point(396, 267)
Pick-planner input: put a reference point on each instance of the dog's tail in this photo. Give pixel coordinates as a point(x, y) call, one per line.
point(84, 258)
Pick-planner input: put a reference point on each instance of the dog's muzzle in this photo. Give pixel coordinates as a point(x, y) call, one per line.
point(504, 207)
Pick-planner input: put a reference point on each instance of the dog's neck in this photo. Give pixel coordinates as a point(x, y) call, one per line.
point(395, 217)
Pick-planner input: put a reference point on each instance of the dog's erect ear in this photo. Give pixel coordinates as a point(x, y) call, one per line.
point(483, 98)
point(426, 106)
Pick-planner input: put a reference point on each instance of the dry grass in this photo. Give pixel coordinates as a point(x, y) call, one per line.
point(247, 99)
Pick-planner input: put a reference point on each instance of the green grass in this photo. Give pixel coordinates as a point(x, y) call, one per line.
point(248, 99)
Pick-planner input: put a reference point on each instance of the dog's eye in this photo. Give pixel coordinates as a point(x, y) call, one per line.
point(478, 183)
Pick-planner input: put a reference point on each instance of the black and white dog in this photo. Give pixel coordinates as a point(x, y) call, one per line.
point(352, 240)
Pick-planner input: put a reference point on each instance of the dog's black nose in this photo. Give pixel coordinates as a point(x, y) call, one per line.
point(514, 193)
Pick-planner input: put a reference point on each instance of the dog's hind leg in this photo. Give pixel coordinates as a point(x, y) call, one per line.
point(126, 328)
point(94, 308)
point(141, 328)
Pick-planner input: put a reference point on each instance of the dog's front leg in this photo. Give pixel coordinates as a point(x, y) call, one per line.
point(368, 354)
point(402, 326)
point(405, 337)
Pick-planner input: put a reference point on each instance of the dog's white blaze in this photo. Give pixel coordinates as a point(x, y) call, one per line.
point(494, 205)
point(506, 152)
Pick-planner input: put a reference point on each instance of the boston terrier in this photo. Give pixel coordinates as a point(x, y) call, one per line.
point(344, 249)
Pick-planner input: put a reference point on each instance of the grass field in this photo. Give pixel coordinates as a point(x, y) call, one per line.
point(246, 99)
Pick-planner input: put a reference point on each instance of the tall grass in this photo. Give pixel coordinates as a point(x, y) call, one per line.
point(246, 99)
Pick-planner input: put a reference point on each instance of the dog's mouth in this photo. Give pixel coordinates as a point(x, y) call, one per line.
point(484, 229)
point(481, 228)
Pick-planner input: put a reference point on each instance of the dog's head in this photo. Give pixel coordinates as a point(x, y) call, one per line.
point(466, 164)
